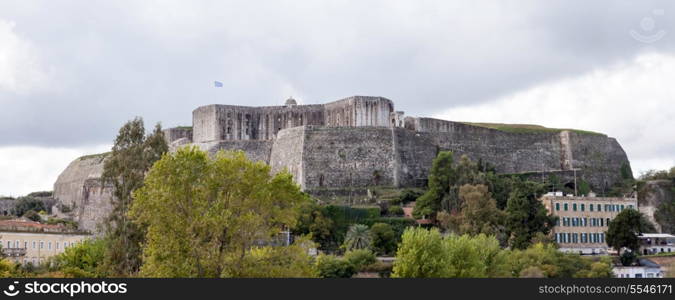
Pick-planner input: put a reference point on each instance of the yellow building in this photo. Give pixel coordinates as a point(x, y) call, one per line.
point(26, 241)
point(583, 221)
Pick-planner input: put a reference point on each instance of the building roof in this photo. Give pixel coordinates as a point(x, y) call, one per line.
point(23, 225)
point(648, 263)
point(655, 235)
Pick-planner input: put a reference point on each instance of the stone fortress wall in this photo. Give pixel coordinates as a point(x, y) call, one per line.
point(362, 141)
point(357, 143)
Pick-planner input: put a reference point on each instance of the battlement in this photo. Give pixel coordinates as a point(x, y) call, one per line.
point(233, 122)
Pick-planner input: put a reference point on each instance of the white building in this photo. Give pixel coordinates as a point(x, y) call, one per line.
point(654, 243)
point(645, 269)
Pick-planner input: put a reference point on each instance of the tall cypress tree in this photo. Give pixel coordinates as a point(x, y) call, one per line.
point(132, 156)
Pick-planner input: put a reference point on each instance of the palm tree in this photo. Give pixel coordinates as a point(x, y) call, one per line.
point(358, 237)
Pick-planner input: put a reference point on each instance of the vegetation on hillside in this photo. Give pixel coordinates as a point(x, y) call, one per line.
point(528, 128)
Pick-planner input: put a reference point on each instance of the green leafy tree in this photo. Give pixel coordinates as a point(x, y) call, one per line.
point(472, 257)
point(442, 177)
point(26, 204)
point(360, 258)
point(204, 216)
point(358, 237)
point(479, 213)
point(383, 238)
point(313, 221)
point(624, 229)
point(526, 215)
point(84, 259)
point(33, 216)
point(424, 253)
point(330, 266)
point(132, 156)
point(421, 255)
point(278, 262)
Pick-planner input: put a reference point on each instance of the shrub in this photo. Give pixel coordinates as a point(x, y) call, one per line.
point(395, 210)
point(330, 266)
point(408, 196)
point(25, 204)
point(383, 238)
point(360, 258)
point(381, 268)
point(32, 215)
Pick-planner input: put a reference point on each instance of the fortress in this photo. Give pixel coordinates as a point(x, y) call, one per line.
point(357, 143)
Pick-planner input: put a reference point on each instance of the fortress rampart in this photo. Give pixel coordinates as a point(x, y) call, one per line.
point(361, 142)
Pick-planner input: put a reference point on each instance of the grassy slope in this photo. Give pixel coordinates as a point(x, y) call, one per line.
point(527, 128)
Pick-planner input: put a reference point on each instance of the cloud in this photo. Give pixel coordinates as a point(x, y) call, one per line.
point(111, 61)
point(32, 169)
point(632, 101)
point(20, 70)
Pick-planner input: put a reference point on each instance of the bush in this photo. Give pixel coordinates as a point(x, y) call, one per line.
point(381, 268)
point(627, 258)
point(84, 259)
point(408, 196)
point(32, 215)
point(360, 258)
point(25, 204)
point(395, 210)
point(384, 238)
point(330, 266)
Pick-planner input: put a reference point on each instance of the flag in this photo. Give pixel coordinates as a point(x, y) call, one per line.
point(217, 84)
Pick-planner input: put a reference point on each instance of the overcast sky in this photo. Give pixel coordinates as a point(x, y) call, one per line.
point(72, 72)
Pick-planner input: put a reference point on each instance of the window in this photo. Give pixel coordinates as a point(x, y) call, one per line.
point(622, 207)
point(25, 245)
point(557, 206)
point(49, 245)
point(590, 207)
point(33, 244)
point(16, 244)
point(630, 206)
point(583, 207)
point(565, 207)
point(599, 207)
point(57, 245)
point(42, 245)
point(574, 207)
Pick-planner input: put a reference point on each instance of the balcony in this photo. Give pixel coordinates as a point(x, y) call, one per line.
point(14, 252)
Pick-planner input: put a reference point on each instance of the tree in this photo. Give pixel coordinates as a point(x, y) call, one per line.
point(526, 215)
point(26, 204)
point(360, 258)
point(479, 213)
point(420, 255)
point(312, 221)
point(358, 237)
point(84, 259)
point(330, 266)
point(132, 156)
point(278, 262)
point(623, 230)
point(442, 177)
point(205, 216)
point(424, 253)
point(383, 238)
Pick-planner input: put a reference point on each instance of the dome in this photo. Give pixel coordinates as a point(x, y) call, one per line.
point(290, 102)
